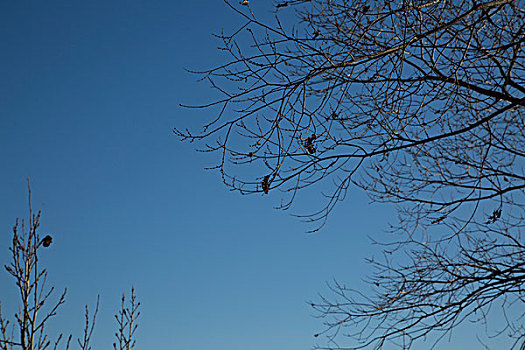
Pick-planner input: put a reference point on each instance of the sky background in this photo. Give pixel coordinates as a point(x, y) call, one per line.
point(89, 95)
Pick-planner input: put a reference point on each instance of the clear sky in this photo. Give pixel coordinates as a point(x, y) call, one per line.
point(89, 94)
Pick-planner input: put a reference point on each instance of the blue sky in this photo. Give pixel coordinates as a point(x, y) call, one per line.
point(90, 92)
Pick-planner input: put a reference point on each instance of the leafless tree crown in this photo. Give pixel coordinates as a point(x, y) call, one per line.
point(36, 305)
point(419, 103)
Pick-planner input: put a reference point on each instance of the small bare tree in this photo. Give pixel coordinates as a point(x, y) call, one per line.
point(36, 304)
point(30, 279)
point(127, 322)
point(419, 103)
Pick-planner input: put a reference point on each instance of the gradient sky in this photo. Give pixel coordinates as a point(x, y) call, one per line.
point(89, 94)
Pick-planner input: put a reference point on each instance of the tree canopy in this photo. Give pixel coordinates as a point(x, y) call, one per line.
point(419, 103)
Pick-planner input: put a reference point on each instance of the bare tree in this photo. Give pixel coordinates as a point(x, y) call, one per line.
point(127, 322)
point(89, 326)
point(36, 304)
point(419, 103)
point(30, 279)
